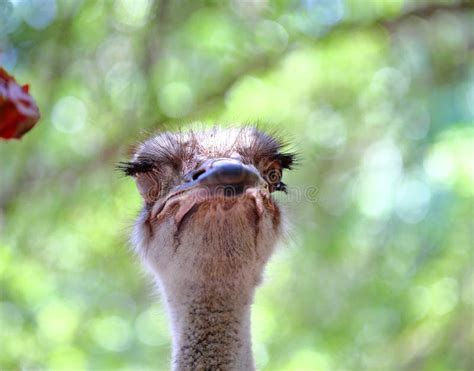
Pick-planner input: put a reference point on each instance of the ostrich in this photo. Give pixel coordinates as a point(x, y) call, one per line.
point(206, 231)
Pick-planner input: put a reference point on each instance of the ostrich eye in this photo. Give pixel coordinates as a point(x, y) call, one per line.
point(273, 174)
point(152, 178)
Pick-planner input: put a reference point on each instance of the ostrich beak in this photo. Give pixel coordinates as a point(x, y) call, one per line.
point(224, 176)
point(227, 172)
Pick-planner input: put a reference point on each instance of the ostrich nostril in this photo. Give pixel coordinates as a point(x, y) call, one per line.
point(197, 174)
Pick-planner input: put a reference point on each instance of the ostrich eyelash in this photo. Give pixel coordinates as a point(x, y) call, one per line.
point(132, 168)
point(287, 159)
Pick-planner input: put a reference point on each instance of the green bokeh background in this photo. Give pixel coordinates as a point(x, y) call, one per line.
point(377, 97)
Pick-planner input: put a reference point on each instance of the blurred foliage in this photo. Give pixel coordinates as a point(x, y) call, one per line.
point(378, 98)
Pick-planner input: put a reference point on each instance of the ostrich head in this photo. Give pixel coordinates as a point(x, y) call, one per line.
point(207, 228)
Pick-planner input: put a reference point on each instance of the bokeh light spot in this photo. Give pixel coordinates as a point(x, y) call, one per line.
point(412, 200)
point(152, 328)
point(176, 99)
point(264, 323)
point(260, 354)
point(132, 13)
point(327, 128)
point(112, 333)
point(67, 358)
point(8, 55)
point(381, 168)
point(272, 36)
point(309, 359)
point(439, 165)
point(69, 114)
point(444, 295)
point(9, 17)
point(38, 13)
point(57, 321)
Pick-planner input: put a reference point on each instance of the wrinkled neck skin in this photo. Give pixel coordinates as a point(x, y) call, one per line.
point(207, 268)
point(211, 329)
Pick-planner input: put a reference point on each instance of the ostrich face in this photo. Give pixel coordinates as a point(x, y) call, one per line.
point(208, 210)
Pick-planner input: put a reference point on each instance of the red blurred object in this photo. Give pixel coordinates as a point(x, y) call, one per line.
point(18, 111)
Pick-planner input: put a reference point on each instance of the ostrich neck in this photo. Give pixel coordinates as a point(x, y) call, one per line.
point(211, 328)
